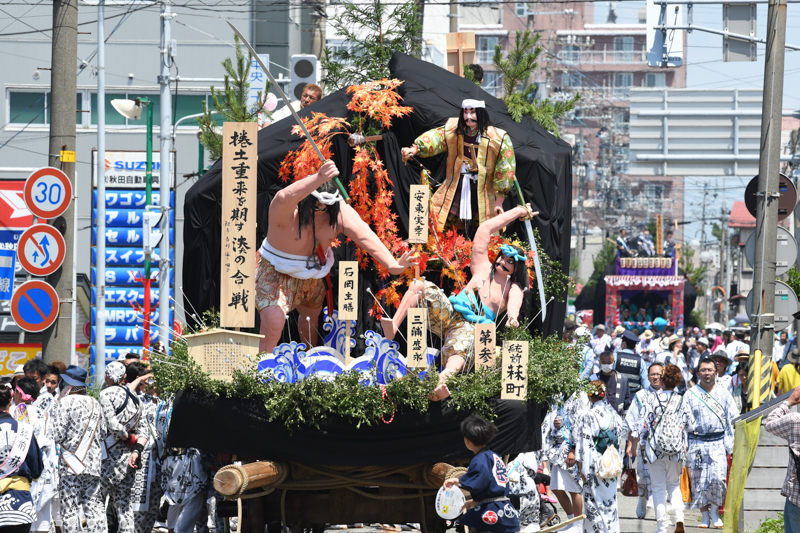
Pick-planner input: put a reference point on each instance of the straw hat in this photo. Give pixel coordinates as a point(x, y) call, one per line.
point(648, 334)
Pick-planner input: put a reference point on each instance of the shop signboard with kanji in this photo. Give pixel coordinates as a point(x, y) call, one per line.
point(125, 201)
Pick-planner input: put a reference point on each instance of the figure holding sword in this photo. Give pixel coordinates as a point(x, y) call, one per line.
point(304, 219)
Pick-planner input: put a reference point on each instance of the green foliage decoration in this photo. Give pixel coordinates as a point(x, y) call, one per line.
point(516, 70)
point(372, 31)
point(230, 103)
point(552, 372)
point(556, 282)
point(793, 279)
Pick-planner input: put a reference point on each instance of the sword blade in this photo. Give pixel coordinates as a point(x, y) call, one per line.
point(279, 91)
point(537, 268)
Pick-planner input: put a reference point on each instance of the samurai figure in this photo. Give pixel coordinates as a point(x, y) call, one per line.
point(305, 218)
point(494, 288)
point(481, 167)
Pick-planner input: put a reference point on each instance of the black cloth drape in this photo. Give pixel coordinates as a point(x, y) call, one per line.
point(543, 170)
point(242, 427)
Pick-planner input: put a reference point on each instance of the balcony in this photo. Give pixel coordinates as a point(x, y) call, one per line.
point(603, 57)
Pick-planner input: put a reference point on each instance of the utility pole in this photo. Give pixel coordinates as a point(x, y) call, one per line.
point(318, 30)
point(57, 342)
point(454, 18)
point(762, 335)
point(165, 173)
point(100, 326)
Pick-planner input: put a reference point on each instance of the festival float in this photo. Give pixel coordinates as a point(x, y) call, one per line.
point(345, 432)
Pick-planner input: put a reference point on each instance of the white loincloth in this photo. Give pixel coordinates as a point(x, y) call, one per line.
point(296, 266)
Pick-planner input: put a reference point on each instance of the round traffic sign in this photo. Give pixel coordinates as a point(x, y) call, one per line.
point(785, 306)
point(41, 250)
point(34, 306)
point(785, 253)
point(47, 192)
point(786, 202)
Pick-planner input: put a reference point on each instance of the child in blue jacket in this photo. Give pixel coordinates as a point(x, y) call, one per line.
point(486, 480)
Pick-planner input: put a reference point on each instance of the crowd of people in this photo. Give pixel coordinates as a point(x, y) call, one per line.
point(662, 402)
point(70, 461)
point(667, 402)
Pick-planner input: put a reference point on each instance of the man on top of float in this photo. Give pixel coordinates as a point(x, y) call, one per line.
point(306, 216)
point(494, 288)
point(481, 167)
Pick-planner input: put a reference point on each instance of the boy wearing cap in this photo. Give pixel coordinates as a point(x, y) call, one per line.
point(481, 167)
point(79, 428)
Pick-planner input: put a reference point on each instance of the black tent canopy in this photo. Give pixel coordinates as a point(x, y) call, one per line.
point(544, 171)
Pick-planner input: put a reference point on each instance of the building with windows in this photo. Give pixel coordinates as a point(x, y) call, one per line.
point(203, 41)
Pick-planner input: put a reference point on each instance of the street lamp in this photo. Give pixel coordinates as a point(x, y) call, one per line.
point(132, 109)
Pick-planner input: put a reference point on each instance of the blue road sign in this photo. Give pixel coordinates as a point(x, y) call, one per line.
point(7, 258)
point(34, 306)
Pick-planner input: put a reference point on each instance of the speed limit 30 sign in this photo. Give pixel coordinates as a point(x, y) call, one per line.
point(47, 193)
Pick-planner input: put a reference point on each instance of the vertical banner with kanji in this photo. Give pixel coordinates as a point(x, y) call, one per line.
point(348, 300)
point(237, 274)
point(348, 290)
point(515, 370)
point(417, 346)
point(418, 214)
point(484, 344)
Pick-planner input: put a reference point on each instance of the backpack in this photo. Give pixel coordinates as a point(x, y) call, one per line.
point(668, 431)
point(607, 437)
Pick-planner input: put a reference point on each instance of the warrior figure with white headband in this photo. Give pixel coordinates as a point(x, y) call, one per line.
point(304, 219)
point(481, 167)
point(494, 288)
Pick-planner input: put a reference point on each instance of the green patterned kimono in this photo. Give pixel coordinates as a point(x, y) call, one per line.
point(496, 167)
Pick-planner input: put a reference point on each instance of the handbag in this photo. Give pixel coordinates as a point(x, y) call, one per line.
point(686, 488)
point(630, 487)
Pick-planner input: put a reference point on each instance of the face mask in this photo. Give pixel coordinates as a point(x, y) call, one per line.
point(607, 368)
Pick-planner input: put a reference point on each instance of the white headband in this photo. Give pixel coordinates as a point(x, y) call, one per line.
point(326, 197)
point(474, 104)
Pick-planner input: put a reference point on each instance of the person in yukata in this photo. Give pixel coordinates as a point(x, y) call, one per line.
point(296, 255)
point(44, 488)
point(598, 430)
point(665, 407)
point(632, 427)
point(127, 436)
point(185, 481)
point(146, 492)
point(558, 443)
point(481, 167)
point(486, 480)
point(494, 288)
point(21, 460)
point(79, 428)
point(522, 473)
point(709, 429)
